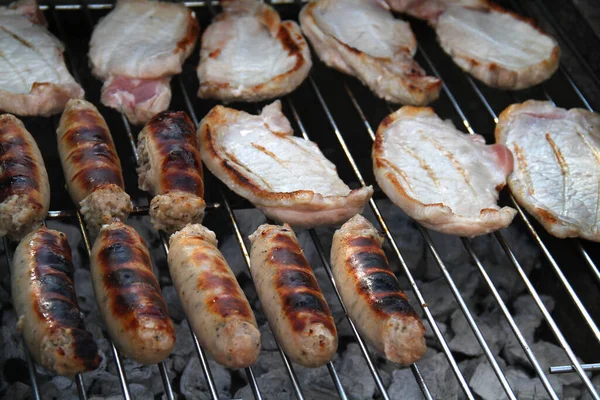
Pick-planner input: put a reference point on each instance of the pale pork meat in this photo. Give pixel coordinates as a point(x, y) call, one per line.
point(430, 10)
point(136, 49)
point(34, 79)
point(556, 175)
point(500, 48)
point(286, 177)
point(249, 54)
point(362, 38)
point(445, 179)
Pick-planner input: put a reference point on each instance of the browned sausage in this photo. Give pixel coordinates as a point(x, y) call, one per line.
point(170, 169)
point(213, 301)
point(91, 165)
point(128, 295)
point(371, 294)
point(44, 299)
point(291, 298)
point(24, 187)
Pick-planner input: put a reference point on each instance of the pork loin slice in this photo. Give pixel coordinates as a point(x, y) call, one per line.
point(136, 49)
point(286, 177)
point(500, 48)
point(445, 179)
point(363, 39)
point(557, 165)
point(249, 54)
point(34, 79)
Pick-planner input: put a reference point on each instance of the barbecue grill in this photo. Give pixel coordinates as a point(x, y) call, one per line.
point(341, 115)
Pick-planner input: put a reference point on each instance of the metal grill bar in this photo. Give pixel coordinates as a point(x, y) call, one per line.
point(461, 379)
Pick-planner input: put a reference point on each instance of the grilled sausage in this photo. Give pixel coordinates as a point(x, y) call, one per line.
point(371, 294)
point(212, 299)
point(24, 187)
point(291, 297)
point(91, 165)
point(170, 169)
point(128, 295)
point(45, 302)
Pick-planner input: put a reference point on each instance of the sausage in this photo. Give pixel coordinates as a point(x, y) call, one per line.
point(128, 295)
point(44, 299)
point(291, 298)
point(91, 165)
point(212, 299)
point(170, 168)
point(24, 187)
point(372, 295)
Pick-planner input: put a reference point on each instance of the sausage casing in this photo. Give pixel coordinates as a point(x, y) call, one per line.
point(44, 299)
point(212, 299)
point(24, 187)
point(170, 168)
point(128, 295)
point(372, 295)
point(291, 297)
point(91, 165)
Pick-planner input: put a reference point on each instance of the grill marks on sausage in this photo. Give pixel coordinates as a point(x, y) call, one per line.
point(302, 300)
point(91, 150)
point(128, 277)
point(224, 297)
point(19, 173)
point(175, 139)
point(56, 300)
point(374, 279)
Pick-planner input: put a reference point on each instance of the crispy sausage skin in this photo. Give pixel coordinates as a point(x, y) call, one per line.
point(44, 299)
point(24, 187)
point(91, 165)
point(215, 304)
point(170, 168)
point(291, 297)
point(371, 293)
point(128, 295)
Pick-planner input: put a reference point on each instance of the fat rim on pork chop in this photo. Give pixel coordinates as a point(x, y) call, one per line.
point(444, 179)
point(299, 207)
point(557, 165)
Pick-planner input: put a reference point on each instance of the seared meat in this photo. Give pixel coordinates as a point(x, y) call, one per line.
point(91, 165)
point(430, 10)
point(24, 187)
point(441, 177)
point(363, 39)
point(136, 49)
point(286, 177)
point(498, 47)
point(34, 78)
point(249, 54)
point(557, 165)
point(170, 168)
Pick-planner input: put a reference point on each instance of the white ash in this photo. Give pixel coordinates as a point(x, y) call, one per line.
point(193, 384)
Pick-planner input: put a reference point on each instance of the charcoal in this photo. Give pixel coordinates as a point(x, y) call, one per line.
point(59, 387)
point(84, 290)
point(274, 385)
point(464, 340)
point(267, 341)
point(549, 355)
point(468, 366)
point(184, 345)
point(571, 392)
point(355, 375)
point(527, 388)
point(484, 382)
point(439, 377)
point(404, 386)
point(18, 391)
point(267, 361)
point(525, 305)
point(193, 383)
point(585, 393)
point(437, 295)
point(173, 304)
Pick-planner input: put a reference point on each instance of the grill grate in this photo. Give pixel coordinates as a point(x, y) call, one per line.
point(348, 90)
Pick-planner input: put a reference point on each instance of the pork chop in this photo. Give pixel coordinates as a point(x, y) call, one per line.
point(136, 49)
point(34, 78)
point(362, 38)
point(445, 179)
point(500, 48)
point(557, 165)
point(249, 54)
point(286, 177)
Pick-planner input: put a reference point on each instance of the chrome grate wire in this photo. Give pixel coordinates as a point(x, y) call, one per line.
point(340, 137)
